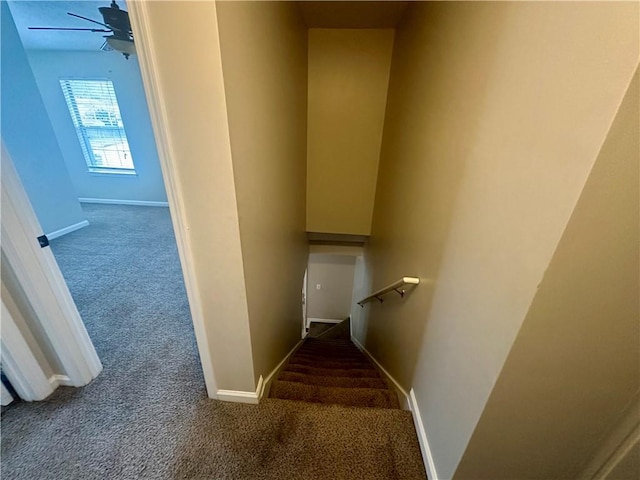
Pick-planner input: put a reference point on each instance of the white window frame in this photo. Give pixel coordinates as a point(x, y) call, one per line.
point(84, 132)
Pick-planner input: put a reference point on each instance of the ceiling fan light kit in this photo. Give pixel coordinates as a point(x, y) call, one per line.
point(123, 45)
point(116, 22)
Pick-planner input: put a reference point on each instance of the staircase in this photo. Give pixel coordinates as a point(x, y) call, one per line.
point(343, 420)
point(330, 369)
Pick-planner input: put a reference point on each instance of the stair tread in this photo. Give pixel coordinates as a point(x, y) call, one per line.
point(312, 346)
point(333, 371)
point(319, 350)
point(333, 381)
point(328, 356)
point(328, 363)
point(338, 372)
point(357, 397)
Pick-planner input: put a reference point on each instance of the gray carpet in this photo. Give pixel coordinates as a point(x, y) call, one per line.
point(147, 414)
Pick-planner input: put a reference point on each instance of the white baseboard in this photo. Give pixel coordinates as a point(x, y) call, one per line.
point(267, 383)
point(112, 201)
point(622, 442)
point(427, 457)
point(240, 396)
point(57, 380)
point(408, 402)
point(403, 396)
point(69, 229)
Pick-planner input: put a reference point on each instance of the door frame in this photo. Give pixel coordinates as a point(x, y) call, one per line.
point(38, 276)
point(146, 53)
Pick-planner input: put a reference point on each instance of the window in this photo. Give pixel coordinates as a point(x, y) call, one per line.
point(96, 116)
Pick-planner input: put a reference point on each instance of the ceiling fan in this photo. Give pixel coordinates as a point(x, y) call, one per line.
point(116, 22)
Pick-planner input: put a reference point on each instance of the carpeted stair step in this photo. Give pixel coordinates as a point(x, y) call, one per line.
point(330, 342)
point(314, 343)
point(333, 371)
point(329, 363)
point(331, 353)
point(323, 381)
point(330, 372)
point(313, 350)
point(347, 357)
point(352, 397)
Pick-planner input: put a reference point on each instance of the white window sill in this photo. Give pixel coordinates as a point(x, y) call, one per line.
point(102, 173)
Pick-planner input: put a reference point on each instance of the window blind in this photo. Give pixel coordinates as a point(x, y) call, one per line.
point(96, 117)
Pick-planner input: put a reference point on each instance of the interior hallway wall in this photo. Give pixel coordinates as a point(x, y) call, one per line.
point(335, 275)
point(573, 368)
point(264, 60)
point(496, 114)
point(30, 139)
point(147, 184)
point(348, 80)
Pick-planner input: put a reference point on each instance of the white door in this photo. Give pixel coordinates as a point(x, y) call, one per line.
point(38, 277)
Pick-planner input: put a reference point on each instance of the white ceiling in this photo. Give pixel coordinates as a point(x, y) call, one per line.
point(53, 13)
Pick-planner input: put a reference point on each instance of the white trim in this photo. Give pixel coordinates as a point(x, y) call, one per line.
point(239, 396)
point(39, 277)
point(145, 51)
point(267, 383)
point(19, 363)
point(427, 456)
point(69, 229)
point(410, 403)
point(114, 201)
point(403, 396)
point(621, 441)
point(5, 396)
point(56, 380)
point(324, 320)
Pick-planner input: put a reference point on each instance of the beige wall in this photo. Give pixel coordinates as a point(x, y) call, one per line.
point(573, 367)
point(264, 59)
point(190, 85)
point(496, 114)
point(334, 274)
point(348, 78)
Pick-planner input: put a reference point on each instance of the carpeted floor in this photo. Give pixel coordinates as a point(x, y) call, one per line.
point(147, 414)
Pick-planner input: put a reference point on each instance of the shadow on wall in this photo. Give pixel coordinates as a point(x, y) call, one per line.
point(431, 129)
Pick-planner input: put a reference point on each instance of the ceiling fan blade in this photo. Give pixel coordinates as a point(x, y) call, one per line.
point(88, 19)
point(65, 28)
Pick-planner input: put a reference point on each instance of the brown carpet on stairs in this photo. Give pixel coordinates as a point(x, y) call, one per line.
point(355, 408)
point(329, 368)
point(318, 328)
